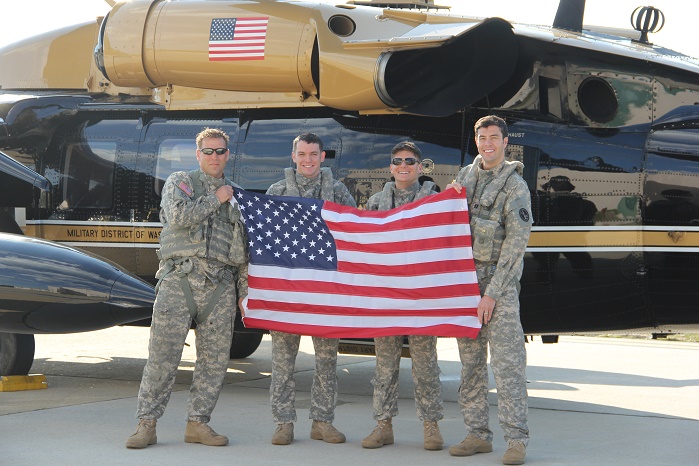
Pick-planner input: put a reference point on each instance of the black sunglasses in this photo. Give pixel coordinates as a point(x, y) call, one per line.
point(219, 151)
point(408, 161)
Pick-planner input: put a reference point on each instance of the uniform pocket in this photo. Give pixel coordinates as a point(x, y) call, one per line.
point(483, 234)
point(197, 234)
point(237, 252)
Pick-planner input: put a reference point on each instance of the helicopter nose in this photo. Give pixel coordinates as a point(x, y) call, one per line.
point(129, 292)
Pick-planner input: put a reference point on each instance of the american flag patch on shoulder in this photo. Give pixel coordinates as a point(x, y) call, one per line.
point(183, 186)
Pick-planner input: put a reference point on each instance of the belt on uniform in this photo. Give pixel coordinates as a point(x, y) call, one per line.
point(225, 277)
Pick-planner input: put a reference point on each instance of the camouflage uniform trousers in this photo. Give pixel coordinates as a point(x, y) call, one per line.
point(169, 329)
point(425, 368)
point(508, 361)
point(282, 390)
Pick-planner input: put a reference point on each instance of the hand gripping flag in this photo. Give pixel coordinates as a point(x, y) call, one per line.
point(322, 269)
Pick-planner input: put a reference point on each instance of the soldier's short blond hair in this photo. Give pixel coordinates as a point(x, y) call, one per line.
point(207, 133)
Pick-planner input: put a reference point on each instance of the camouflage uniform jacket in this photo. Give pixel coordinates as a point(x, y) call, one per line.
point(201, 229)
point(321, 187)
point(391, 196)
point(500, 212)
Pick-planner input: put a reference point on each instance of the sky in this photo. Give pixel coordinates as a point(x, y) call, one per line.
point(24, 18)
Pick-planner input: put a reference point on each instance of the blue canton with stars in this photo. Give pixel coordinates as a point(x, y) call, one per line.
point(286, 231)
point(222, 29)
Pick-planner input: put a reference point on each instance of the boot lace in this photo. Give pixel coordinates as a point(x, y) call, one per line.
point(431, 429)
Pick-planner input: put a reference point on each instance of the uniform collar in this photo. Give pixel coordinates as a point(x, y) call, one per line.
point(493, 171)
point(410, 189)
point(303, 181)
point(208, 179)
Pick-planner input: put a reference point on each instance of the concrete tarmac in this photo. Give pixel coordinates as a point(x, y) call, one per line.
point(599, 401)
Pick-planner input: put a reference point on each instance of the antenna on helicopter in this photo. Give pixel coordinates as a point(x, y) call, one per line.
point(646, 20)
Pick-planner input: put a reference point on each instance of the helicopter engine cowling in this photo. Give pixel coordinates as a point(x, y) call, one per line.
point(337, 54)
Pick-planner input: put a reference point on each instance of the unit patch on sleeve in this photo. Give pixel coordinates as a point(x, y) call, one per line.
point(524, 215)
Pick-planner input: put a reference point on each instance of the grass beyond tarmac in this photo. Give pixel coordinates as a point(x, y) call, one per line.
point(685, 337)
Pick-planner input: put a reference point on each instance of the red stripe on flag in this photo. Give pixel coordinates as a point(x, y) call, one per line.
point(433, 219)
point(444, 195)
point(404, 292)
point(426, 244)
point(211, 58)
point(356, 312)
point(214, 47)
point(444, 330)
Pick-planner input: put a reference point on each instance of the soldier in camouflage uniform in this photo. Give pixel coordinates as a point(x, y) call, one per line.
point(203, 260)
point(310, 181)
point(500, 212)
point(405, 167)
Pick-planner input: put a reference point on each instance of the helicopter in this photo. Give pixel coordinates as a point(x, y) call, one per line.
point(94, 117)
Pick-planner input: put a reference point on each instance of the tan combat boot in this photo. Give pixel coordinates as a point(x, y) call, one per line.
point(200, 432)
point(326, 432)
point(380, 436)
point(284, 434)
point(470, 446)
point(515, 454)
point(144, 435)
point(433, 438)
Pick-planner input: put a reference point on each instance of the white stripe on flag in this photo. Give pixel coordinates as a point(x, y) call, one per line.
point(404, 258)
point(365, 302)
point(447, 205)
point(412, 234)
point(341, 278)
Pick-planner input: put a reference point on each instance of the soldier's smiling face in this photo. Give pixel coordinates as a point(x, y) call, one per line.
point(491, 146)
point(405, 175)
point(308, 158)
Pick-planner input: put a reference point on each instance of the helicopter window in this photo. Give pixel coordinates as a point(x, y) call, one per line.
point(550, 97)
point(174, 155)
point(88, 175)
point(598, 101)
